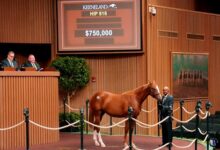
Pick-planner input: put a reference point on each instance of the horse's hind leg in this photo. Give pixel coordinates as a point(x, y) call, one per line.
point(95, 138)
point(99, 134)
point(98, 117)
point(100, 140)
point(96, 129)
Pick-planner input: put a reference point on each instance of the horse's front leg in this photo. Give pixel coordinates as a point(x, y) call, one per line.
point(125, 135)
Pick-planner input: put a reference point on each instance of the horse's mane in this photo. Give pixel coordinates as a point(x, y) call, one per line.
point(136, 89)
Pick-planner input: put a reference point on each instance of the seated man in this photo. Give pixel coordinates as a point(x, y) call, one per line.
point(32, 63)
point(10, 61)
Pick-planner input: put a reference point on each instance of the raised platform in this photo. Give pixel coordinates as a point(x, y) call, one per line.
point(71, 141)
point(35, 90)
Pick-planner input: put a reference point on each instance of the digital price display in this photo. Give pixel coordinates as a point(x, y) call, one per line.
point(99, 26)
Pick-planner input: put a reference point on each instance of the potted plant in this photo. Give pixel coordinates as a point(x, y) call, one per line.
point(74, 74)
point(68, 118)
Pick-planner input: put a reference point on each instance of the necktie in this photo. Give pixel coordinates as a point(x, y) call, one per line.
point(33, 64)
point(11, 63)
point(164, 98)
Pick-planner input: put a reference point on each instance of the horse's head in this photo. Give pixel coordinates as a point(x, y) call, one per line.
point(154, 90)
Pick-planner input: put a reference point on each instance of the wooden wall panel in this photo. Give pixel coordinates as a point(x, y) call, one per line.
point(185, 4)
point(164, 33)
point(115, 74)
point(162, 28)
point(214, 62)
point(197, 25)
point(32, 21)
point(26, 21)
point(39, 92)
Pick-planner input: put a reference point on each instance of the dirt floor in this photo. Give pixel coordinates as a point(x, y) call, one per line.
point(71, 141)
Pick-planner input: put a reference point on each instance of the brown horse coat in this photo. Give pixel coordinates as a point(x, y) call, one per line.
point(116, 105)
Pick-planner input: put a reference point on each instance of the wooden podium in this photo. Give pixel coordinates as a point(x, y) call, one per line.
point(39, 92)
point(8, 69)
point(28, 69)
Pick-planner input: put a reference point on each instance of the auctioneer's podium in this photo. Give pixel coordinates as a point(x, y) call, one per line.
point(39, 92)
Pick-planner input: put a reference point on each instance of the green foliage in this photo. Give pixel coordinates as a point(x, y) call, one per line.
point(71, 118)
point(74, 72)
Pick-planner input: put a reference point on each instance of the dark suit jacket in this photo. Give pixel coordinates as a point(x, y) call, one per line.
point(167, 105)
point(28, 64)
point(5, 63)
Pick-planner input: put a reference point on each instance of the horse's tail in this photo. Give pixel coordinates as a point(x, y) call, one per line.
point(93, 101)
point(91, 117)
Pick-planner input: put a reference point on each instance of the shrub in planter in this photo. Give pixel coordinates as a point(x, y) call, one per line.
point(74, 74)
point(71, 118)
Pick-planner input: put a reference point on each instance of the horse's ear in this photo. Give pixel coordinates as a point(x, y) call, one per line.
point(152, 82)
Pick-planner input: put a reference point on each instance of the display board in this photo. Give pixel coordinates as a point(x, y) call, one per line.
point(99, 26)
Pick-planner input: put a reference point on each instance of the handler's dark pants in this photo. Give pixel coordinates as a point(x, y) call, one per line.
point(167, 134)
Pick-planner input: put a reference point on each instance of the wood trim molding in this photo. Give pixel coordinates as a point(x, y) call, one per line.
point(29, 73)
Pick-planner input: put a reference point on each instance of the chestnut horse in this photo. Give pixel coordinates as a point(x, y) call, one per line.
point(116, 105)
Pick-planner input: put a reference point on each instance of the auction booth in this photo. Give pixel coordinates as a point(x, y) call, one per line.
point(37, 91)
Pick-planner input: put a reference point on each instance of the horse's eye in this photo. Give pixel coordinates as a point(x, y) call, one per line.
point(153, 90)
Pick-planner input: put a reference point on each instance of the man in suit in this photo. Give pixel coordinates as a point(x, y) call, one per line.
point(166, 109)
point(32, 63)
point(10, 61)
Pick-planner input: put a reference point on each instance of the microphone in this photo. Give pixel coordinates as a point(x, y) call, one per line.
point(40, 69)
point(22, 66)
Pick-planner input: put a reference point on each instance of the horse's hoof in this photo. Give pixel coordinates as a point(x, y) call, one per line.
point(126, 147)
point(97, 143)
point(103, 145)
point(136, 148)
point(133, 145)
